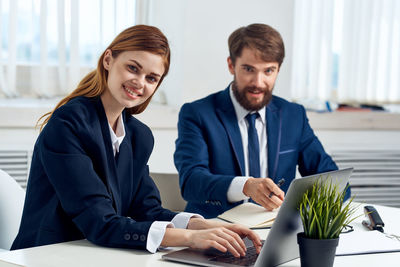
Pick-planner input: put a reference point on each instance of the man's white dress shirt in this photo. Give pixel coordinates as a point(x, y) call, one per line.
point(235, 190)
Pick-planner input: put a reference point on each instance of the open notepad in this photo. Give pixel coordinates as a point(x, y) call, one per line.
point(365, 242)
point(250, 215)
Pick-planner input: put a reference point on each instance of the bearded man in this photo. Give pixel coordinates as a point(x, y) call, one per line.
point(235, 145)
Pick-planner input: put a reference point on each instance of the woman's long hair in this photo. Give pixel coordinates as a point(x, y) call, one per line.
point(136, 38)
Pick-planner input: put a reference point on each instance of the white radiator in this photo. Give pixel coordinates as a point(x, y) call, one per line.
point(376, 175)
point(16, 163)
point(375, 180)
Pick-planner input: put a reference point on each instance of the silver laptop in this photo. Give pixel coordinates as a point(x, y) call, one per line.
point(281, 243)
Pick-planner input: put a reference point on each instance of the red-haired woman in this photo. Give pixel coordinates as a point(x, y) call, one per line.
point(89, 176)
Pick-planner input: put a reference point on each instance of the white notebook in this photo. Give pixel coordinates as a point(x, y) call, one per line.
point(365, 242)
point(251, 215)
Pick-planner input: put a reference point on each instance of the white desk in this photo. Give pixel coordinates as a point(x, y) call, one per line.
point(83, 253)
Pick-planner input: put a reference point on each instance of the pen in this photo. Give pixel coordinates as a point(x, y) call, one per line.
point(279, 184)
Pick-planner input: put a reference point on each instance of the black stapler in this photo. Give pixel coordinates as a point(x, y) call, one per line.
point(373, 221)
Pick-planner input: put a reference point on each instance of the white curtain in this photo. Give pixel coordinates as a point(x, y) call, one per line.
point(369, 67)
point(143, 11)
point(8, 68)
point(51, 45)
point(312, 49)
point(365, 35)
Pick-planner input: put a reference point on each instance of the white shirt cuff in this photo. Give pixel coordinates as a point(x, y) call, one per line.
point(235, 190)
point(156, 235)
point(157, 229)
point(181, 220)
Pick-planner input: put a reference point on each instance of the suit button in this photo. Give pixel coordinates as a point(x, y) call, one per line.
point(127, 237)
point(135, 236)
point(142, 238)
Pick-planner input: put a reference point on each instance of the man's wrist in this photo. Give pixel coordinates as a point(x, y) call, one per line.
point(235, 190)
point(246, 186)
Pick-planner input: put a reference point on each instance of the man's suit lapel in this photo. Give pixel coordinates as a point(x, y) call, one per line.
point(274, 126)
point(226, 113)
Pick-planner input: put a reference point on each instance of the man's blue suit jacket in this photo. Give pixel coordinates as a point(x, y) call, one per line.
point(77, 188)
point(209, 150)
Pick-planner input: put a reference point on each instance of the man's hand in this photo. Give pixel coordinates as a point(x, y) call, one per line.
point(259, 190)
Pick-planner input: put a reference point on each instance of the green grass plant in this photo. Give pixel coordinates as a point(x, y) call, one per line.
point(323, 212)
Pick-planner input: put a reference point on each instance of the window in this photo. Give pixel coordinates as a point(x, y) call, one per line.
point(47, 46)
point(347, 51)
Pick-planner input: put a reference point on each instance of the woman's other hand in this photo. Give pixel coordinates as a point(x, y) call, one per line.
point(242, 231)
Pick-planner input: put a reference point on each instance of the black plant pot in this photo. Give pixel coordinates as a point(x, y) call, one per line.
point(316, 252)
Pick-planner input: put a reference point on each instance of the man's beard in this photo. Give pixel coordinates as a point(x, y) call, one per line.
point(245, 103)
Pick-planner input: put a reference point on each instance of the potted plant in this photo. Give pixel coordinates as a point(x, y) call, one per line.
point(324, 216)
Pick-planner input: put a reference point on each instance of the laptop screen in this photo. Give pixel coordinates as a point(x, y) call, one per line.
point(281, 243)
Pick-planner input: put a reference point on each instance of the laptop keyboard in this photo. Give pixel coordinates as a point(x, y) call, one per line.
point(248, 260)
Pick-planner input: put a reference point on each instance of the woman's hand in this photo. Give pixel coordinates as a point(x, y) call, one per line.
point(243, 232)
point(204, 234)
point(199, 223)
point(219, 238)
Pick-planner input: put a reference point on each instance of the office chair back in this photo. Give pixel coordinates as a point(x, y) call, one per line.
point(12, 198)
point(170, 192)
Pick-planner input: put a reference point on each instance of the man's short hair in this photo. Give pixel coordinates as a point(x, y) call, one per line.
point(265, 39)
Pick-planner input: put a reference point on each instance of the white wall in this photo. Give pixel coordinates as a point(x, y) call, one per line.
point(198, 32)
